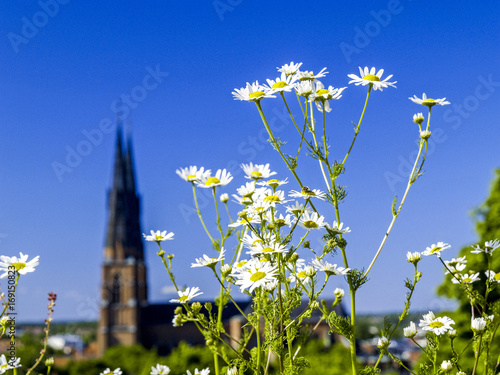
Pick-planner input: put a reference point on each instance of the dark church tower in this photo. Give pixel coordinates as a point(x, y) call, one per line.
point(124, 288)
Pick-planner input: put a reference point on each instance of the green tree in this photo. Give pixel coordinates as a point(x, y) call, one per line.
point(487, 223)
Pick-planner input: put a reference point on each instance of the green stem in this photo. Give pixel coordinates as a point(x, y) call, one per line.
point(477, 355)
point(222, 238)
point(356, 131)
point(199, 214)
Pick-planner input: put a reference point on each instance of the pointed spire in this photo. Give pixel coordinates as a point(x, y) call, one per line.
point(124, 229)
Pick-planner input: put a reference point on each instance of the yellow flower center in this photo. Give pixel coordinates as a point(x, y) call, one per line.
point(301, 274)
point(183, 298)
point(257, 276)
point(467, 280)
point(191, 177)
point(18, 265)
point(159, 238)
point(308, 192)
point(436, 249)
point(4, 367)
point(268, 250)
point(256, 242)
point(273, 182)
point(322, 91)
point(280, 222)
point(436, 324)
point(429, 100)
point(241, 264)
point(279, 85)
point(272, 198)
point(256, 94)
point(497, 277)
point(256, 174)
point(310, 224)
point(371, 77)
point(259, 210)
point(212, 180)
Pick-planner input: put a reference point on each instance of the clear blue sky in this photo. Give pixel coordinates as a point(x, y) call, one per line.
point(66, 69)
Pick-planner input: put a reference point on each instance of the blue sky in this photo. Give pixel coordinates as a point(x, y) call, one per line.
point(67, 67)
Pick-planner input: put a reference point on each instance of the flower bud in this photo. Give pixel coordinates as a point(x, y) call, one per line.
point(170, 256)
point(196, 306)
point(413, 257)
point(49, 361)
point(383, 343)
point(478, 325)
point(315, 305)
point(410, 331)
point(339, 293)
point(224, 197)
point(226, 269)
point(446, 366)
point(418, 118)
point(452, 333)
point(161, 253)
point(425, 134)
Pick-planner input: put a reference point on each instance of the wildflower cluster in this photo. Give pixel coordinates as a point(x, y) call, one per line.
point(269, 251)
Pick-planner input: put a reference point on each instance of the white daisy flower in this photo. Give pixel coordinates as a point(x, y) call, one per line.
point(221, 178)
point(310, 76)
point(21, 264)
point(257, 275)
point(322, 96)
point(177, 320)
point(465, 278)
point(307, 193)
point(489, 247)
point(108, 371)
point(251, 93)
point(246, 190)
point(160, 370)
point(478, 324)
point(383, 342)
point(289, 69)
point(192, 173)
point(435, 249)
point(280, 84)
point(428, 101)
point(368, 77)
point(337, 228)
point(259, 207)
point(158, 236)
point(245, 217)
point(280, 220)
point(278, 197)
point(205, 371)
point(186, 295)
point(257, 171)
point(274, 183)
point(296, 208)
point(456, 264)
point(267, 248)
point(494, 277)
point(311, 221)
point(5, 365)
point(438, 325)
point(305, 88)
point(328, 268)
point(303, 274)
point(410, 331)
point(206, 261)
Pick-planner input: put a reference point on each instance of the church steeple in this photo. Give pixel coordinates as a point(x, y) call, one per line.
point(124, 229)
point(124, 286)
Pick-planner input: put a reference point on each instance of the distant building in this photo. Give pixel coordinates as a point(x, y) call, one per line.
point(126, 316)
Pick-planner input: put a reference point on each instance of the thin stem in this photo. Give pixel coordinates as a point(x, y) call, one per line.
point(199, 214)
point(356, 131)
point(394, 217)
